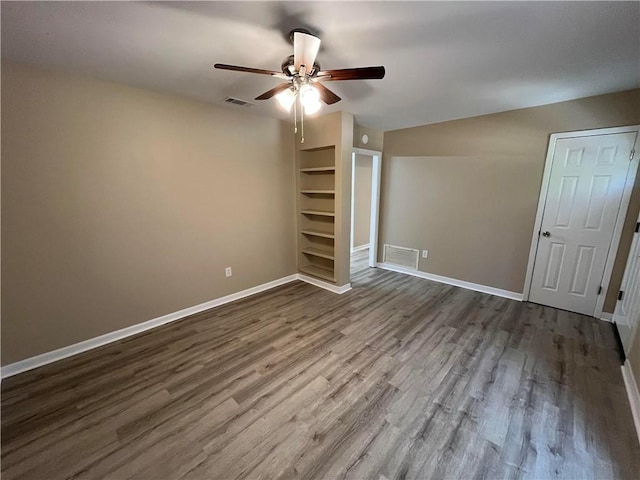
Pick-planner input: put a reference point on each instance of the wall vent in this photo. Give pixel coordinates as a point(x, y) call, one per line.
point(401, 257)
point(238, 101)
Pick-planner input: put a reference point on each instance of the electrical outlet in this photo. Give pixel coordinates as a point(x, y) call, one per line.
point(228, 272)
point(425, 253)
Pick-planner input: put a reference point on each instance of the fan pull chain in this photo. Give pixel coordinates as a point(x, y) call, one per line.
point(302, 121)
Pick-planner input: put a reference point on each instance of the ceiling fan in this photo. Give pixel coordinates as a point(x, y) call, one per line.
point(303, 76)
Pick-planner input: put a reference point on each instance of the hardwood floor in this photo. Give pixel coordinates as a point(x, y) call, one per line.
point(398, 378)
point(359, 262)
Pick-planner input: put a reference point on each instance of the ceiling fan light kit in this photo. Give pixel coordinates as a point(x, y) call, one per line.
point(310, 98)
point(302, 87)
point(286, 99)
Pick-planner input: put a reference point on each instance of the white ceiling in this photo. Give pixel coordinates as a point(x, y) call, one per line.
point(444, 60)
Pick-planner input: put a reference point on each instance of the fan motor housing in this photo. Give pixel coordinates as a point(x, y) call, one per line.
point(287, 67)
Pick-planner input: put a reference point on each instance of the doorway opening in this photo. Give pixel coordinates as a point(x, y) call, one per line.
point(365, 203)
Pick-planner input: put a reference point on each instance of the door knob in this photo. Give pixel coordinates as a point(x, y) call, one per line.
point(546, 234)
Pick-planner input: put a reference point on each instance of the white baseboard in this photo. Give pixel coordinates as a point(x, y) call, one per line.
point(327, 286)
point(452, 281)
point(76, 348)
point(607, 317)
point(633, 393)
point(359, 248)
point(65, 352)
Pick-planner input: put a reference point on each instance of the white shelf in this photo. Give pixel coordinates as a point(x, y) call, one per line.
point(321, 213)
point(317, 233)
point(318, 192)
point(318, 170)
point(319, 272)
point(316, 252)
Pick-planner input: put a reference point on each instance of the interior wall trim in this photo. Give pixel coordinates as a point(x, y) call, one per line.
point(90, 344)
point(633, 393)
point(327, 286)
point(360, 248)
point(455, 282)
point(607, 317)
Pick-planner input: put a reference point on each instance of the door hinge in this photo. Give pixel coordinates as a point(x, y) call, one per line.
point(599, 289)
point(632, 153)
point(620, 295)
point(637, 227)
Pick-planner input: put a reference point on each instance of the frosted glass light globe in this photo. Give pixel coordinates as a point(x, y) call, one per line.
point(286, 99)
point(309, 95)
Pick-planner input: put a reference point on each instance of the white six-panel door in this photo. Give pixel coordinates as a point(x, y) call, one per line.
point(586, 184)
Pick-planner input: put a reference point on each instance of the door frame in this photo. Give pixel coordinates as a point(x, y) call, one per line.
point(376, 174)
point(622, 211)
point(634, 251)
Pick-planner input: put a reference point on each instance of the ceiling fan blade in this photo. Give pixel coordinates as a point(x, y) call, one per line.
point(236, 68)
point(326, 95)
point(363, 73)
point(305, 50)
point(274, 91)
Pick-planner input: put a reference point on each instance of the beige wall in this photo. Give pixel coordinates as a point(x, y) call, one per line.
point(375, 137)
point(121, 205)
point(467, 190)
point(362, 200)
point(455, 208)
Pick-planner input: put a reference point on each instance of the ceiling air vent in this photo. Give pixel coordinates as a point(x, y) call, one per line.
point(401, 257)
point(238, 101)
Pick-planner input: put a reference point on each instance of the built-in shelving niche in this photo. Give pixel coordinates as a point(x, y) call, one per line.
point(316, 203)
